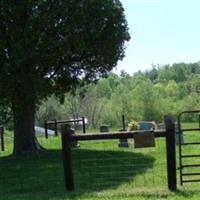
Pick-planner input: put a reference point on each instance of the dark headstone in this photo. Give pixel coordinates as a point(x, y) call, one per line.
point(104, 128)
point(123, 142)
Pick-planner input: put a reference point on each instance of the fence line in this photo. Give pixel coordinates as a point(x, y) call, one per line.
point(68, 137)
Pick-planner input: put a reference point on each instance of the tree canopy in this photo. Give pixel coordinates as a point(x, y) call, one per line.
point(51, 47)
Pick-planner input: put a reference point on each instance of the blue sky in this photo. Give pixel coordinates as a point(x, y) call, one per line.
point(162, 32)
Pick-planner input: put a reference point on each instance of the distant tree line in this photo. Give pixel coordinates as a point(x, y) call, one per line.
point(147, 95)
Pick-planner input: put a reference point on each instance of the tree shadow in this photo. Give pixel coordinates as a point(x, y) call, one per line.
point(94, 170)
point(98, 170)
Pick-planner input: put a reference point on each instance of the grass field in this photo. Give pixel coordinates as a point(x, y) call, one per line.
point(102, 170)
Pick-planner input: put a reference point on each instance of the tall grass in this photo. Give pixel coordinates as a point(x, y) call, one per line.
point(102, 170)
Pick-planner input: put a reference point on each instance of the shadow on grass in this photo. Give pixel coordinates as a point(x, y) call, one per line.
point(99, 170)
point(93, 171)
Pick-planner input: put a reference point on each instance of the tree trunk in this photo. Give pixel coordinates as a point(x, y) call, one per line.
point(24, 118)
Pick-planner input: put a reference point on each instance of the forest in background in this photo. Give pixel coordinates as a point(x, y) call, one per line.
point(148, 95)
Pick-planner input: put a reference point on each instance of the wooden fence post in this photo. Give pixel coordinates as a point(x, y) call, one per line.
point(83, 122)
point(66, 132)
point(171, 153)
point(199, 121)
point(46, 131)
point(55, 127)
point(2, 137)
point(123, 123)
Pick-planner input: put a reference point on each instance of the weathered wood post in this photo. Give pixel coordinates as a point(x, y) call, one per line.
point(199, 121)
point(55, 127)
point(83, 122)
point(123, 123)
point(2, 137)
point(66, 132)
point(171, 153)
point(123, 142)
point(46, 131)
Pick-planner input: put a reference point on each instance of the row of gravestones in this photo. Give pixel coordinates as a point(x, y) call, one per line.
point(141, 140)
point(145, 126)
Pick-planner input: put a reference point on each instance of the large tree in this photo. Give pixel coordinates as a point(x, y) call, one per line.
point(53, 46)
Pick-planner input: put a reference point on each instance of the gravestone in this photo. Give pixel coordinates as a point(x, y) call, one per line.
point(177, 132)
point(142, 140)
point(161, 126)
point(104, 128)
point(146, 126)
point(123, 142)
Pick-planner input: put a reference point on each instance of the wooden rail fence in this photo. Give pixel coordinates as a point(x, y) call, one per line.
point(61, 122)
point(68, 137)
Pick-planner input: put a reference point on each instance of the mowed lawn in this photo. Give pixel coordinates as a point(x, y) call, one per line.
point(102, 170)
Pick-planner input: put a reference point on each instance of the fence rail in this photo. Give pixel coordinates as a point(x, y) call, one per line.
point(113, 135)
point(68, 137)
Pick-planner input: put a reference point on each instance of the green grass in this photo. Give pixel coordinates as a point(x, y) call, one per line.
point(102, 170)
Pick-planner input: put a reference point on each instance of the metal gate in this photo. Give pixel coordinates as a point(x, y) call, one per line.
point(189, 165)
